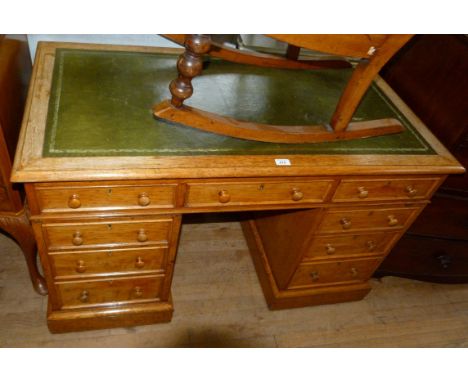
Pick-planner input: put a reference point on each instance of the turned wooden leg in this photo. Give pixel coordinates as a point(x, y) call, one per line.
point(189, 65)
point(19, 227)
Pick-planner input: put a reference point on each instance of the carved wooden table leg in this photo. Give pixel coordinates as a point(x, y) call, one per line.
point(19, 227)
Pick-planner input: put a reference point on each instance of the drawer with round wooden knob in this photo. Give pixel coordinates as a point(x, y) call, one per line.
point(102, 197)
point(337, 220)
point(66, 265)
point(248, 193)
point(334, 272)
point(109, 291)
point(334, 246)
point(381, 189)
point(107, 233)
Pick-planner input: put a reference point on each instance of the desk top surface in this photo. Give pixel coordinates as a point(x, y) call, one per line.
point(89, 101)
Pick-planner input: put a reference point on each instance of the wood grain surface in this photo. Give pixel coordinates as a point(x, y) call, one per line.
point(220, 304)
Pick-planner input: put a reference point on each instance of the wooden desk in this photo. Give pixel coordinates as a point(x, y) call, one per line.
point(107, 184)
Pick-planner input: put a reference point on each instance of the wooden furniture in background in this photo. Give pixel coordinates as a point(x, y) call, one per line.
point(430, 74)
point(372, 51)
point(107, 200)
point(15, 69)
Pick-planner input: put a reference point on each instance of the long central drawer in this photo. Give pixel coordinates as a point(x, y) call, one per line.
point(288, 191)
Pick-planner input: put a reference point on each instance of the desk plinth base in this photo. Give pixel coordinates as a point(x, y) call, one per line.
point(286, 299)
point(73, 320)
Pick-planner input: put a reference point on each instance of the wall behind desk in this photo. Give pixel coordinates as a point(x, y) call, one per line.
point(114, 39)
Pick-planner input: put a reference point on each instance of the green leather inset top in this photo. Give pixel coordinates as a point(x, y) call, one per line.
point(101, 105)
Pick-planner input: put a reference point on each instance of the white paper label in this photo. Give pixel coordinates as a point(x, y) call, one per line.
point(283, 162)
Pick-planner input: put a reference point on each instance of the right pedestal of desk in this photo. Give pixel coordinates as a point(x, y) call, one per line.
point(324, 255)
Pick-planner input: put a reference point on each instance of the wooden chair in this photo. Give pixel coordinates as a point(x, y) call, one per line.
point(372, 51)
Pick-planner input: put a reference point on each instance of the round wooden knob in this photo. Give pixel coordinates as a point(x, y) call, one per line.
point(224, 196)
point(363, 193)
point(371, 245)
point(345, 223)
point(84, 296)
point(138, 291)
point(314, 276)
point(74, 201)
point(77, 238)
point(143, 199)
point(296, 194)
point(139, 263)
point(392, 220)
point(354, 272)
point(142, 236)
point(330, 249)
point(411, 191)
point(80, 266)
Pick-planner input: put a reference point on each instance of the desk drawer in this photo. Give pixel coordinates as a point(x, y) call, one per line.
point(367, 218)
point(344, 245)
point(346, 271)
point(104, 197)
point(107, 262)
point(109, 291)
point(365, 189)
point(257, 193)
point(108, 233)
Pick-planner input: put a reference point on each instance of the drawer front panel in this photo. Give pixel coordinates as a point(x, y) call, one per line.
point(107, 262)
point(352, 190)
point(250, 193)
point(71, 199)
point(352, 220)
point(343, 245)
point(109, 233)
point(346, 271)
point(84, 293)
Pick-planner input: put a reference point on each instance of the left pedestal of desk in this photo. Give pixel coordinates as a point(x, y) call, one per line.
point(108, 254)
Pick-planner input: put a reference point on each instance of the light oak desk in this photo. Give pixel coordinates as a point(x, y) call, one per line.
point(107, 184)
